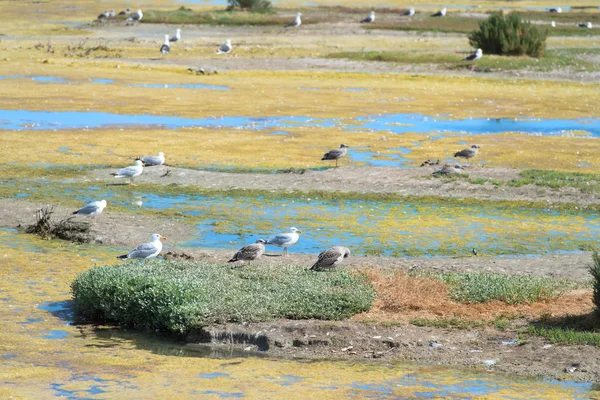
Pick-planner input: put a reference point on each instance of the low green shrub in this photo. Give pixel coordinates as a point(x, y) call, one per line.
point(250, 5)
point(179, 296)
point(509, 35)
point(511, 289)
point(595, 272)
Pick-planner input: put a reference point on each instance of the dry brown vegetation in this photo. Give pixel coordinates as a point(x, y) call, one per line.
point(402, 297)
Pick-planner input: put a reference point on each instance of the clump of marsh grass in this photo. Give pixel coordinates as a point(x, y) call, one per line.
point(249, 5)
point(595, 272)
point(179, 296)
point(66, 229)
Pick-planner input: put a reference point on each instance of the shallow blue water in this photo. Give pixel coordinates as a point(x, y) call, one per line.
point(230, 222)
point(394, 123)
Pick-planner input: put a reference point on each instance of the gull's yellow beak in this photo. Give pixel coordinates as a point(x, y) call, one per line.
point(163, 237)
point(298, 231)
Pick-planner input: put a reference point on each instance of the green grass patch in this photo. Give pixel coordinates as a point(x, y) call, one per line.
point(180, 296)
point(483, 181)
point(568, 336)
point(447, 323)
point(229, 18)
point(574, 59)
point(511, 289)
point(586, 182)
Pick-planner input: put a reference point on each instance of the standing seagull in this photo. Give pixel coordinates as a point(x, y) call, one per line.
point(145, 251)
point(468, 153)
point(92, 209)
point(130, 172)
point(410, 12)
point(335, 154)
point(441, 13)
point(331, 258)
point(135, 17)
point(166, 47)
point(475, 56)
point(125, 12)
point(553, 24)
point(285, 240)
point(370, 18)
point(149, 161)
point(177, 36)
point(297, 22)
point(225, 48)
point(250, 252)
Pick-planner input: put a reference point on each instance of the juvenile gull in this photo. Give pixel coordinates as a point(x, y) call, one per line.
point(250, 252)
point(475, 56)
point(285, 240)
point(145, 251)
point(331, 258)
point(166, 47)
point(410, 12)
point(127, 11)
point(225, 48)
point(177, 36)
point(92, 209)
point(335, 154)
point(468, 153)
point(130, 172)
point(135, 17)
point(441, 13)
point(149, 161)
point(370, 18)
point(449, 170)
point(297, 22)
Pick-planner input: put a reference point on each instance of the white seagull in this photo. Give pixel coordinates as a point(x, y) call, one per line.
point(297, 22)
point(92, 209)
point(285, 240)
point(557, 10)
point(410, 12)
point(441, 13)
point(225, 48)
point(166, 47)
point(177, 36)
point(250, 252)
point(331, 258)
point(553, 24)
point(145, 251)
point(135, 17)
point(475, 56)
point(586, 25)
point(149, 161)
point(130, 172)
point(370, 18)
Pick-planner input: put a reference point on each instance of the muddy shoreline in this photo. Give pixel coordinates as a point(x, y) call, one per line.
point(484, 349)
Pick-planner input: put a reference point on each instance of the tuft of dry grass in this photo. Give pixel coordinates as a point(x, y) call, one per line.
point(404, 297)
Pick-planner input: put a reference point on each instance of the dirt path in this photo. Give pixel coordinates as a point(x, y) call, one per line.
point(389, 180)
